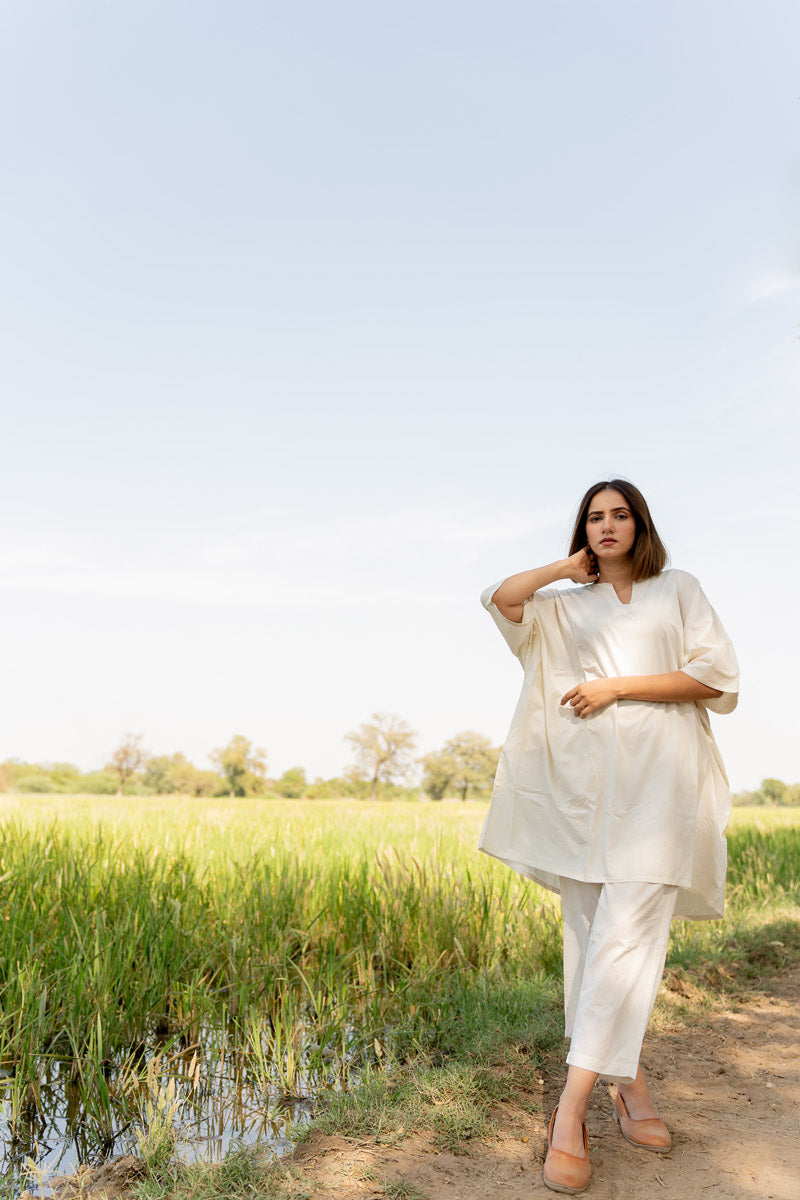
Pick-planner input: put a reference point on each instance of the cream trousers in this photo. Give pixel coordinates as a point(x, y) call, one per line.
point(615, 943)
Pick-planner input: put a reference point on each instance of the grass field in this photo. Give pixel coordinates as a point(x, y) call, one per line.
point(288, 949)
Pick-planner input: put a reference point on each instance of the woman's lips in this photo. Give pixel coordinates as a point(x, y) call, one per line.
point(608, 541)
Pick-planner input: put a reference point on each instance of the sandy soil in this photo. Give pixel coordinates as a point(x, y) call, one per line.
point(728, 1088)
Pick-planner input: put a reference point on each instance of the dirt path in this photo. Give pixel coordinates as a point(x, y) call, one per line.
point(728, 1087)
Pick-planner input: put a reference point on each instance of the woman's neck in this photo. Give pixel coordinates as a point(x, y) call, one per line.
point(619, 573)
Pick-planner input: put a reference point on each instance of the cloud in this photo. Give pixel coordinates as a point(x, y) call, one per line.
point(772, 284)
point(402, 557)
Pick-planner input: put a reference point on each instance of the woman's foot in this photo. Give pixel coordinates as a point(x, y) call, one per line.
point(562, 1171)
point(638, 1120)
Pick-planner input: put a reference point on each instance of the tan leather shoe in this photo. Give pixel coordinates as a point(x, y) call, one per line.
point(650, 1134)
point(564, 1172)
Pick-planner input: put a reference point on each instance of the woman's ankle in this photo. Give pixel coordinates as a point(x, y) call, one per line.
point(567, 1132)
point(637, 1099)
point(572, 1110)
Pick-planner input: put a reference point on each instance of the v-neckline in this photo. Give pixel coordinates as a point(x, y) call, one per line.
point(623, 603)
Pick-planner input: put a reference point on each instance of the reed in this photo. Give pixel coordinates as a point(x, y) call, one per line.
point(293, 945)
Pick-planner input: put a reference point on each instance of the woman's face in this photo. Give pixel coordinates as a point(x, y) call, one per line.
point(610, 525)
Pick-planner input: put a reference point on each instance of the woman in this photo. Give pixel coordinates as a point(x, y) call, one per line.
point(610, 789)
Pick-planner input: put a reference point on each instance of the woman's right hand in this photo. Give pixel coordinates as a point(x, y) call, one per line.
point(582, 567)
point(512, 593)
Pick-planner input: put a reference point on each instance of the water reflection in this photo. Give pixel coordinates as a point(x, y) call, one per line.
point(73, 1117)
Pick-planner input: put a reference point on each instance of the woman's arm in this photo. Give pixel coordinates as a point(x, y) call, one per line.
point(510, 597)
point(595, 694)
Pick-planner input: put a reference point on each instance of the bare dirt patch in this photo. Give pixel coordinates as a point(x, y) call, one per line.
point(727, 1084)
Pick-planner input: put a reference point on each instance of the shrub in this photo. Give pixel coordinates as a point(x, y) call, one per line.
point(39, 783)
point(292, 783)
point(99, 783)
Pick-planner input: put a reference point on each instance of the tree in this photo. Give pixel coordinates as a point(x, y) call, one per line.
point(383, 749)
point(242, 765)
point(128, 757)
point(159, 773)
point(476, 761)
point(333, 789)
point(170, 774)
point(792, 794)
point(190, 780)
point(773, 791)
point(439, 771)
point(39, 777)
point(66, 776)
point(467, 760)
point(292, 783)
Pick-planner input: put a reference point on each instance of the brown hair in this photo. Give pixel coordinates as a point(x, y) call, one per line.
point(649, 552)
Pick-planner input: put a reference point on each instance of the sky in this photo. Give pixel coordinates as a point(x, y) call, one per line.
point(318, 318)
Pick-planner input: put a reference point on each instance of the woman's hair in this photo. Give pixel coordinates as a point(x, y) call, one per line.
point(649, 552)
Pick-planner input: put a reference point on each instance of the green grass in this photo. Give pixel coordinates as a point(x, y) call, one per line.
point(760, 933)
point(129, 927)
point(316, 945)
point(402, 1189)
point(306, 942)
point(244, 1174)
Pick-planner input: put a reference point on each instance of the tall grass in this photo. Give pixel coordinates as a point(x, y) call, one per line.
point(302, 941)
point(761, 931)
point(288, 946)
point(113, 937)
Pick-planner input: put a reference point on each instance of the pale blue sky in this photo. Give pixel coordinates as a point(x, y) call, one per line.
point(319, 317)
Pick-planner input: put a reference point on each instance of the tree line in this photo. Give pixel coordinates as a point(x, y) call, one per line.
point(385, 764)
point(773, 792)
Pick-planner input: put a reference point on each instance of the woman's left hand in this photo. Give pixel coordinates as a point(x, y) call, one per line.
point(590, 696)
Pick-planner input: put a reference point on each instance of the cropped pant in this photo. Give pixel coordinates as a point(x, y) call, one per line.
point(615, 944)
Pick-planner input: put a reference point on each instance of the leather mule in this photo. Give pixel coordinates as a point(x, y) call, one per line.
point(564, 1172)
point(650, 1134)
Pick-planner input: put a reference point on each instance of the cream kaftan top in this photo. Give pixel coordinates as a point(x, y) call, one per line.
point(636, 791)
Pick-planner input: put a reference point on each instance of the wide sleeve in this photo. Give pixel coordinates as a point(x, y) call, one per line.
point(708, 654)
point(518, 635)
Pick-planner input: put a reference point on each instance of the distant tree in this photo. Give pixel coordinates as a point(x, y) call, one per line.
point(773, 791)
point(66, 776)
point(190, 780)
point(467, 761)
point(40, 783)
point(476, 761)
point(14, 769)
point(357, 785)
point(242, 765)
point(383, 748)
point(440, 769)
point(40, 777)
point(173, 774)
point(159, 772)
point(99, 783)
point(332, 789)
point(292, 783)
point(128, 757)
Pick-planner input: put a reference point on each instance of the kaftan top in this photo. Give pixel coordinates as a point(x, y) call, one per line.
point(636, 791)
